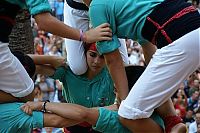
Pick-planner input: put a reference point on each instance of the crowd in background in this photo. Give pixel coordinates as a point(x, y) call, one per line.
point(186, 100)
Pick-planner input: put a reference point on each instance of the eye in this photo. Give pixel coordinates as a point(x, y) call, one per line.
point(92, 54)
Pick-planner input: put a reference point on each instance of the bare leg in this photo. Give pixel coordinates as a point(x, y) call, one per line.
point(141, 125)
point(172, 121)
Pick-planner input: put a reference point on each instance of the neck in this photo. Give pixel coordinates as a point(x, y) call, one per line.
point(87, 2)
point(90, 75)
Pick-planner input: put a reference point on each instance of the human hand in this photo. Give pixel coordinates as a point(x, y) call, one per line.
point(59, 61)
point(100, 33)
point(29, 107)
point(113, 107)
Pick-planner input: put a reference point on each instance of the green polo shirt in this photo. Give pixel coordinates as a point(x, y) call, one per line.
point(126, 19)
point(89, 93)
point(108, 122)
point(14, 120)
point(34, 6)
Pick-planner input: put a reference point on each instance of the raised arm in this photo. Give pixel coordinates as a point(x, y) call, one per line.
point(49, 23)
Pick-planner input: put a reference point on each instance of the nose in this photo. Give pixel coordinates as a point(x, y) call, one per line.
point(97, 60)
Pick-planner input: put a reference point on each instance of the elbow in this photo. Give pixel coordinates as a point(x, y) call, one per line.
point(42, 20)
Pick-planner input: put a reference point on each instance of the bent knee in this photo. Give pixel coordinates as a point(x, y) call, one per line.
point(123, 120)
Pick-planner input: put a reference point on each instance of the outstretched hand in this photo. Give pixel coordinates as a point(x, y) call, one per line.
point(100, 33)
point(29, 107)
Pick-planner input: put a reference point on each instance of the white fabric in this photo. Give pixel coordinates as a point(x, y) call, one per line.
point(13, 77)
point(193, 127)
point(169, 66)
point(123, 51)
point(75, 51)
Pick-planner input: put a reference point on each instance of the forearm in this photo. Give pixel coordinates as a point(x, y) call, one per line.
point(45, 70)
point(50, 24)
point(53, 120)
point(43, 59)
point(75, 112)
point(67, 110)
point(117, 71)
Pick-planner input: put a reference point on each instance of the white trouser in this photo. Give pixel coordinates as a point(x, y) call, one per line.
point(13, 77)
point(169, 66)
point(75, 51)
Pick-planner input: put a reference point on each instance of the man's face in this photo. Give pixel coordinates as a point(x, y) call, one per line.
point(197, 118)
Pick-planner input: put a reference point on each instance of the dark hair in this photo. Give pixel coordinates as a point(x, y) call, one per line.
point(133, 73)
point(26, 61)
point(87, 46)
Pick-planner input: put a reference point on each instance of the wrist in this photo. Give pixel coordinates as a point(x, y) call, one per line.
point(44, 106)
point(82, 36)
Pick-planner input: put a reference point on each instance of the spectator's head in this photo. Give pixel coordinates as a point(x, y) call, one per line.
point(95, 61)
point(197, 116)
point(196, 83)
point(189, 113)
point(42, 78)
point(195, 95)
point(26, 61)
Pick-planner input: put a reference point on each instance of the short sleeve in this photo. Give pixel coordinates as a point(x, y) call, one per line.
point(38, 6)
point(108, 46)
point(108, 122)
point(103, 17)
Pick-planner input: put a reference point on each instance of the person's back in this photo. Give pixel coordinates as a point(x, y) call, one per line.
point(128, 15)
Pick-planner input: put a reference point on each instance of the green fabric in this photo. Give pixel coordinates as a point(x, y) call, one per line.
point(108, 122)
point(14, 120)
point(126, 19)
point(89, 93)
point(34, 6)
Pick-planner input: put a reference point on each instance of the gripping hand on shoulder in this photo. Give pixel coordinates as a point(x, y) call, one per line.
point(100, 33)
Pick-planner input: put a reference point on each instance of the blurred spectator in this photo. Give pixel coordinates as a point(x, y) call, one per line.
point(47, 45)
point(188, 119)
point(38, 93)
point(59, 6)
point(180, 101)
point(193, 126)
point(38, 46)
point(54, 51)
point(195, 87)
point(52, 89)
point(193, 100)
point(135, 54)
point(44, 86)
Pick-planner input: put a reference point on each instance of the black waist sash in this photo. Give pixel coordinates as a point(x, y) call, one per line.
point(169, 21)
